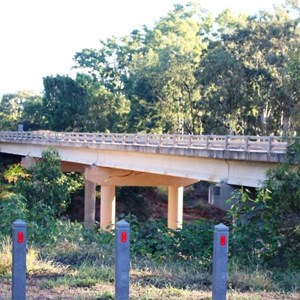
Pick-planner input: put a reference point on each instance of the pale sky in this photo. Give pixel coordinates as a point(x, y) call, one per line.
point(40, 37)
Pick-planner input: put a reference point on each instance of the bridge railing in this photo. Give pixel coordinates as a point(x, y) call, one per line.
point(213, 142)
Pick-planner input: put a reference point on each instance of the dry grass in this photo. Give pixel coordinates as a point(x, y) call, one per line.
point(34, 264)
point(92, 277)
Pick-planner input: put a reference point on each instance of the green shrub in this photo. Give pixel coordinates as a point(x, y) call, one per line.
point(12, 208)
point(267, 225)
point(46, 185)
point(194, 242)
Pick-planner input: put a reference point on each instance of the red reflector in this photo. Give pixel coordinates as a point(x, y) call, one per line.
point(123, 237)
point(20, 237)
point(223, 240)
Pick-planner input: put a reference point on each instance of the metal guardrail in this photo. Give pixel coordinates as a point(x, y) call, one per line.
point(269, 144)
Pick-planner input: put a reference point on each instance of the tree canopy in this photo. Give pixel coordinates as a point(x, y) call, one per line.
point(189, 73)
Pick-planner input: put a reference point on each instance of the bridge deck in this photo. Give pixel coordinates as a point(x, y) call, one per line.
point(252, 148)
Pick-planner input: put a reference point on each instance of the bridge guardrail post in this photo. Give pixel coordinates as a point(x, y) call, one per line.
point(269, 144)
point(206, 141)
point(19, 260)
point(226, 142)
point(220, 259)
point(246, 143)
point(122, 263)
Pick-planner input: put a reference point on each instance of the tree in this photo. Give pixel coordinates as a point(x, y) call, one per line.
point(226, 108)
point(38, 196)
point(191, 73)
point(106, 110)
point(45, 187)
point(64, 104)
point(262, 48)
point(267, 225)
point(161, 81)
point(33, 117)
point(12, 108)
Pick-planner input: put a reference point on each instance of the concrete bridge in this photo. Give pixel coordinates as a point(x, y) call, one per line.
point(174, 161)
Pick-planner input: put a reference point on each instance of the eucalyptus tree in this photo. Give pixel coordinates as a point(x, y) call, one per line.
point(161, 82)
point(101, 72)
point(192, 74)
point(145, 81)
point(294, 85)
point(224, 93)
point(248, 73)
point(263, 48)
point(222, 77)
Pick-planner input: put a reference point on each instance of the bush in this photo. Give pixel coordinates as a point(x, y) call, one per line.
point(267, 225)
point(42, 196)
point(12, 208)
point(45, 185)
point(194, 242)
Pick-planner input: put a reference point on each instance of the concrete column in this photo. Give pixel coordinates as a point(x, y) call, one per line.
point(175, 207)
point(107, 208)
point(89, 204)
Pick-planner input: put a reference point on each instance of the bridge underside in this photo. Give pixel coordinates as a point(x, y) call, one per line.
point(109, 178)
point(212, 169)
point(110, 168)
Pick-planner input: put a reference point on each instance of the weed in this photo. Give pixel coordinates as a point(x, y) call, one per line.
point(34, 264)
point(5, 256)
point(106, 296)
point(87, 275)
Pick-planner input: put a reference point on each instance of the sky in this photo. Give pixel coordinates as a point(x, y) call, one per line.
point(40, 37)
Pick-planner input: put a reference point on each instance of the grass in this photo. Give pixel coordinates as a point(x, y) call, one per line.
point(35, 265)
point(81, 266)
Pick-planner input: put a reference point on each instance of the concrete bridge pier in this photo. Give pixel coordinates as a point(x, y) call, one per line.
point(175, 207)
point(108, 207)
point(89, 204)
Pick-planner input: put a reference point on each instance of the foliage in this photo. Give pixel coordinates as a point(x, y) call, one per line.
point(6, 161)
point(14, 172)
point(153, 239)
point(107, 107)
point(12, 108)
point(75, 245)
point(132, 202)
point(267, 225)
point(33, 116)
point(12, 208)
point(41, 195)
point(189, 73)
point(46, 187)
point(64, 103)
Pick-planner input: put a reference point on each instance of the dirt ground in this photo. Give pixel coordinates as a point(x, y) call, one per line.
point(37, 290)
